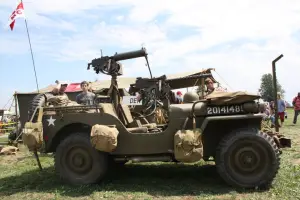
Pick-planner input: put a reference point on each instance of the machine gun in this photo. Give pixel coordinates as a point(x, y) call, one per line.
point(152, 92)
point(158, 90)
point(109, 65)
point(155, 86)
point(162, 85)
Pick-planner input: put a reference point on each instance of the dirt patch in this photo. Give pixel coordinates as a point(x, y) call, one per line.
point(12, 159)
point(296, 162)
point(18, 156)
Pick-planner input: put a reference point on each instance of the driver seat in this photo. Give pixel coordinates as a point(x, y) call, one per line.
point(109, 109)
point(129, 121)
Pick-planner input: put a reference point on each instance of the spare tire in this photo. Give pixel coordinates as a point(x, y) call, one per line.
point(38, 100)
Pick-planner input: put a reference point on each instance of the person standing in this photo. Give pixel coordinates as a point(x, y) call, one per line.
point(60, 89)
point(85, 97)
point(281, 108)
point(296, 104)
point(59, 97)
point(179, 98)
point(272, 107)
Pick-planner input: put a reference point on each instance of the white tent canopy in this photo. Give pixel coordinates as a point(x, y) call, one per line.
point(124, 82)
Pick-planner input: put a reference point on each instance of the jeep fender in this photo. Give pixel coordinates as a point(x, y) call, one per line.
point(214, 128)
point(74, 123)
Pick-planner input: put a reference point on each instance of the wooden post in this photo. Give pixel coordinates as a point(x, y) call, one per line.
point(275, 91)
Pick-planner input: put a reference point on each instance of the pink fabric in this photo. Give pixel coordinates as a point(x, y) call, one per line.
point(73, 87)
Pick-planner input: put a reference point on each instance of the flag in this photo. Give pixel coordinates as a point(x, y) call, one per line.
point(17, 13)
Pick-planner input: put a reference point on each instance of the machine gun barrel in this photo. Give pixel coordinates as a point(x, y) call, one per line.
point(175, 83)
point(105, 63)
point(129, 55)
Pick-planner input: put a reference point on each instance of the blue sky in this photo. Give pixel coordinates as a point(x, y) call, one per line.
point(237, 37)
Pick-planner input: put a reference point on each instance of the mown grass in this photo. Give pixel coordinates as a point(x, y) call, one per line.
point(20, 178)
point(3, 139)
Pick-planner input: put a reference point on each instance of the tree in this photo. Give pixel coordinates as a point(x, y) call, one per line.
point(267, 89)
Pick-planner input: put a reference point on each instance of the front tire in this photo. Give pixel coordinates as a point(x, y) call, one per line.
point(248, 159)
point(77, 162)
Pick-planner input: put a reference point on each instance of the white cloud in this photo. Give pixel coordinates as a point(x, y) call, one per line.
point(217, 23)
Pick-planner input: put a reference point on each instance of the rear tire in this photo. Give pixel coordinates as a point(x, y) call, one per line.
point(248, 159)
point(77, 162)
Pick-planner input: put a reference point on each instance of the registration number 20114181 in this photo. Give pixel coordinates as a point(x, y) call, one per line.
point(215, 110)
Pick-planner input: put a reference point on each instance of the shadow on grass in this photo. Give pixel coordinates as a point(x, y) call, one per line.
point(156, 180)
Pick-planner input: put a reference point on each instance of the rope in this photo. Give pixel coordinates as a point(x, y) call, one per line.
point(11, 105)
point(7, 102)
point(224, 81)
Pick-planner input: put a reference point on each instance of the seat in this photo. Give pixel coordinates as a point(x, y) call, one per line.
point(109, 109)
point(129, 119)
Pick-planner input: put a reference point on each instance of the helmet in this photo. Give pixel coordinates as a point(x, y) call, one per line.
point(190, 97)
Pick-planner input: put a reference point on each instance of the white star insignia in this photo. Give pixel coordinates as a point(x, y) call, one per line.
point(51, 121)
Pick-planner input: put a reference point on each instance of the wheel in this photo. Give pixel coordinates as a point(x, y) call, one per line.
point(248, 159)
point(77, 162)
point(38, 100)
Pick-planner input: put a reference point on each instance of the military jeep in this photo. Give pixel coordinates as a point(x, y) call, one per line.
point(87, 139)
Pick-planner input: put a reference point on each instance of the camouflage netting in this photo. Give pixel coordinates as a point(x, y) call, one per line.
point(104, 138)
point(188, 146)
point(61, 101)
point(160, 116)
point(65, 102)
point(32, 135)
point(266, 127)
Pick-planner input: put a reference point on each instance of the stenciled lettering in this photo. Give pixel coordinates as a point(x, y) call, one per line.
point(216, 110)
point(133, 100)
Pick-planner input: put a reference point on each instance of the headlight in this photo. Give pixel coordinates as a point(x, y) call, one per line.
point(251, 107)
point(262, 107)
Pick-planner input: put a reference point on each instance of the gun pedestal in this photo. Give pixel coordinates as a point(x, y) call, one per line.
point(114, 92)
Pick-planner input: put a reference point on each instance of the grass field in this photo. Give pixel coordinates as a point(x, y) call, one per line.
point(21, 179)
point(3, 139)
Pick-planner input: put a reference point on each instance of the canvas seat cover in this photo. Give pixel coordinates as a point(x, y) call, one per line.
point(221, 98)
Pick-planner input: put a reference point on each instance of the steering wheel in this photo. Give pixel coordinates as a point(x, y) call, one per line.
point(149, 101)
